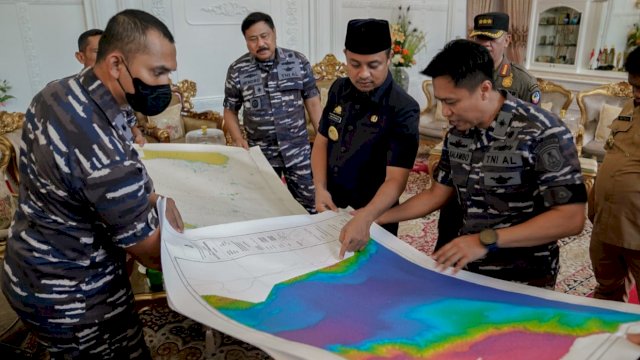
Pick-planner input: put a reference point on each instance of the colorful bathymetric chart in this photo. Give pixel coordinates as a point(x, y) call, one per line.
point(253, 280)
point(215, 184)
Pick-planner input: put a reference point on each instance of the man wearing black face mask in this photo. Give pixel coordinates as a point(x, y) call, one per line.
point(86, 199)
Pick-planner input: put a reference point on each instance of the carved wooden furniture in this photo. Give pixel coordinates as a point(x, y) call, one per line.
point(10, 137)
point(325, 72)
point(590, 103)
point(189, 119)
point(433, 125)
point(557, 95)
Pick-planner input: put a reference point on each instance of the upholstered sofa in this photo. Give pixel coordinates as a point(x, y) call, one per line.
point(598, 107)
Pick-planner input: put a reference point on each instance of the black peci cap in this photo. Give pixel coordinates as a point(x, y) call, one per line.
point(367, 36)
point(493, 25)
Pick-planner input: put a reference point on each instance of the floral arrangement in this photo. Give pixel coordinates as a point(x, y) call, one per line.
point(407, 41)
point(4, 92)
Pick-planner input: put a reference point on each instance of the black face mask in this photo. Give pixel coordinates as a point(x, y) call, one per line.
point(147, 99)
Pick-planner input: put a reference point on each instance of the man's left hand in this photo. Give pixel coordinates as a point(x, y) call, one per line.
point(459, 252)
point(354, 235)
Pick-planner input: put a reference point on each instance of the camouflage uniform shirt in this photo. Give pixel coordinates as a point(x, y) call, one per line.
point(272, 94)
point(523, 164)
point(83, 198)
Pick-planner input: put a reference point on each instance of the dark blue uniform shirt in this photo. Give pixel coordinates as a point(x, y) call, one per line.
point(83, 198)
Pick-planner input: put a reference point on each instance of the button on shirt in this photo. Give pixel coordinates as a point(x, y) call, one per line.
point(374, 130)
point(83, 198)
point(272, 94)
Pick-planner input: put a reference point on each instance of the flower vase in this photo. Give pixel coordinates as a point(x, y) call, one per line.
point(400, 76)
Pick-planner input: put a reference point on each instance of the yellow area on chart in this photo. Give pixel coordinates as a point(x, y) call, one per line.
point(212, 158)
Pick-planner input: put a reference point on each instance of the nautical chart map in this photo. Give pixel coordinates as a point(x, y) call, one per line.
point(277, 284)
point(215, 184)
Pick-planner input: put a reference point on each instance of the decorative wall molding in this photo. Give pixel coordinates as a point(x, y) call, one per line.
point(292, 24)
point(226, 9)
point(30, 52)
point(210, 12)
point(385, 4)
point(159, 9)
point(43, 2)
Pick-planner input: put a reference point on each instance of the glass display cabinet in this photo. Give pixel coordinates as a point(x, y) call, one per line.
point(556, 38)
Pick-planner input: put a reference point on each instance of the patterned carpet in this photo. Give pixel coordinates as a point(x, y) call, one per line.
point(172, 336)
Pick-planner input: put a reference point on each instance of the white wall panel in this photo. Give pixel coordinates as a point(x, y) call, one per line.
point(42, 34)
point(38, 43)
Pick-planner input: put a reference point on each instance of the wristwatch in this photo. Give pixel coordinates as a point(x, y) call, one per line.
point(489, 238)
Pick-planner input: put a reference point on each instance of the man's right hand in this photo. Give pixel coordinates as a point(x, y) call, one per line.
point(324, 201)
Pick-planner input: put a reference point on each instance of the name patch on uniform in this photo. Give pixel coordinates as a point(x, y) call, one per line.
point(250, 79)
point(502, 159)
point(289, 69)
point(502, 178)
point(624, 118)
point(335, 118)
point(336, 114)
point(460, 156)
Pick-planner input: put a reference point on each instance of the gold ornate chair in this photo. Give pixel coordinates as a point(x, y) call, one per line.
point(433, 125)
point(604, 99)
point(325, 72)
point(10, 137)
point(179, 118)
point(555, 96)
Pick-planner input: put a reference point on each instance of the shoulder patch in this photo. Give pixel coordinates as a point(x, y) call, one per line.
point(535, 97)
point(549, 156)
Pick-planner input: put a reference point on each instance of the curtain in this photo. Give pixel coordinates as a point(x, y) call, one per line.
point(519, 12)
point(475, 7)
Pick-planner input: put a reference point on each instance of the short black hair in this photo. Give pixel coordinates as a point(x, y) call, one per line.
point(83, 39)
point(466, 62)
point(256, 17)
point(632, 64)
point(127, 31)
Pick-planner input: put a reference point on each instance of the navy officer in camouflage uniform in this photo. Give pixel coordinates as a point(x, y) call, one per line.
point(274, 85)
point(513, 167)
point(491, 30)
point(368, 136)
point(86, 199)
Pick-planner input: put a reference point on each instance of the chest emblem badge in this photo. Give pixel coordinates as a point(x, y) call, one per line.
point(374, 118)
point(507, 81)
point(333, 133)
